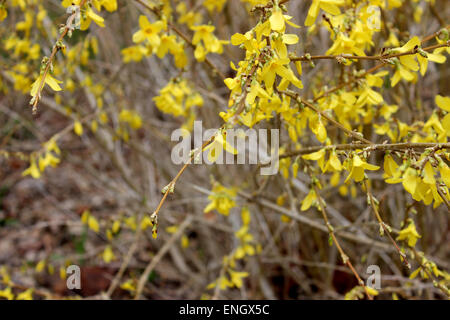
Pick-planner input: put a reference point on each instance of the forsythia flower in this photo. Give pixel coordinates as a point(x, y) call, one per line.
point(308, 201)
point(217, 146)
point(178, 98)
point(32, 169)
point(222, 199)
point(108, 254)
point(214, 4)
point(133, 53)
point(188, 17)
point(7, 294)
point(443, 102)
point(91, 16)
point(357, 168)
point(409, 233)
point(149, 31)
point(78, 128)
point(279, 67)
point(131, 117)
point(406, 62)
point(3, 12)
point(25, 295)
point(204, 33)
point(52, 82)
point(330, 6)
point(236, 277)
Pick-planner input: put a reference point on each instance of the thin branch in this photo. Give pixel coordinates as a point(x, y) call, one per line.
point(55, 50)
point(383, 227)
point(356, 135)
point(344, 257)
point(368, 147)
point(155, 260)
point(377, 57)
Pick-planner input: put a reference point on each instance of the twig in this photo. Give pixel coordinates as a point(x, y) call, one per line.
point(377, 57)
point(55, 50)
point(344, 257)
point(383, 225)
point(165, 248)
point(370, 147)
point(430, 275)
point(356, 135)
point(125, 263)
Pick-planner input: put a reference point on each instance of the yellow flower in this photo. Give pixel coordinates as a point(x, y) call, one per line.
point(32, 169)
point(168, 44)
point(406, 62)
point(445, 174)
point(110, 5)
point(128, 285)
point(434, 57)
point(330, 6)
point(148, 31)
point(131, 117)
point(188, 17)
point(177, 98)
point(204, 33)
point(133, 53)
point(318, 156)
point(108, 254)
point(217, 146)
point(279, 67)
point(236, 277)
point(25, 295)
point(52, 82)
point(357, 169)
point(409, 233)
point(333, 163)
point(222, 199)
point(372, 291)
point(308, 201)
point(91, 16)
point(184, 241)
point(249, 42)
point(415, 186)
point(78, 128)
point(245, 216)
point(279, 43)
point(7, 293)
point(277, 20)
point(93, 224)
point(443, 102)
point(390, 167)
point(317, 127)
point(3, 12)
point(214, 4)
point(40, 266)
point(343, 44)
point(48, 160)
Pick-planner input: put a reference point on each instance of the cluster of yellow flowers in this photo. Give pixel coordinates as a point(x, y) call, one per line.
point(222, 199)
point(247, 247)
point(158, 42)
point(46, 157)
point(178, 98)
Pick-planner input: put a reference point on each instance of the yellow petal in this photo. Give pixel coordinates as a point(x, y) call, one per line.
point(277, 20)
point(78, 128)
point(443, 102)
point(290, 38)
point(312, 13)
point(53, 83)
